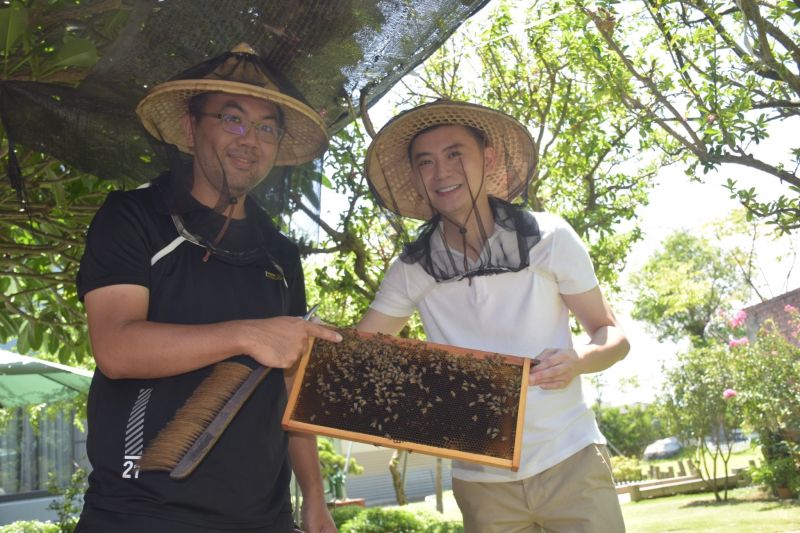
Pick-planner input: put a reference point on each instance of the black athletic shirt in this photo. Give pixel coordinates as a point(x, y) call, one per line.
point(243, 484)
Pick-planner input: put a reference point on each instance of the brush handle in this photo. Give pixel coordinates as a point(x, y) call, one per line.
point(209, 437)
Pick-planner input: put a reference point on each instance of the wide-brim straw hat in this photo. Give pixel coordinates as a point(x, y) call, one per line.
point(389, 170)
point(241, 73)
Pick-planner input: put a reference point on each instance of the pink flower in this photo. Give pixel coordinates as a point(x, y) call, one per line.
point(738, 319)
point(729, 393)
point(789, 308)
point(743, 341)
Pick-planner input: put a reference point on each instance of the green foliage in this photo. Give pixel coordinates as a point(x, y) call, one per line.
point(699, 411)
point(36, 44)
point(680, 288)
point(69, 499)
point(781, 472)
point(630, 429)
point(451, 526)
point(768, 392)
point(707, 81)
point(626, 468)
point(40, 259)
point(345, 513)
point(332, 466)
point(30, 526)
point(768, 382)
point(380, 520)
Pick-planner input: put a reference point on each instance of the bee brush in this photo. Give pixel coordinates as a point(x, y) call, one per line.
point(197, 426)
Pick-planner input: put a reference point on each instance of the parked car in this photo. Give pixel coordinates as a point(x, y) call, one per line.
point(663, 448)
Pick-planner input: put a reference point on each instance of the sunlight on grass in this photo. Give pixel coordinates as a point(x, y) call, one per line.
point(747, 509)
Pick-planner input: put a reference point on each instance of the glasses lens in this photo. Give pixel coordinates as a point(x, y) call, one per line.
point(268, 133)
point(265, 132)
point(232, 125)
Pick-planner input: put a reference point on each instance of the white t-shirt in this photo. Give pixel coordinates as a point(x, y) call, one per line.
point(518, 313)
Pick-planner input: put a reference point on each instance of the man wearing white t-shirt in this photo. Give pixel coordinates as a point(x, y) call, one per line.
point(489, 275)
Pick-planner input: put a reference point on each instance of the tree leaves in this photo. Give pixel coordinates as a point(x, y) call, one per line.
point(75, 52)
point(13, 25)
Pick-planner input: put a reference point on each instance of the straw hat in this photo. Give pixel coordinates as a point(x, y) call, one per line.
point(243, 73)
point(389, 170)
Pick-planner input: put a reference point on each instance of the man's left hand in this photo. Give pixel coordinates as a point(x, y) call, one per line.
point(556, 368)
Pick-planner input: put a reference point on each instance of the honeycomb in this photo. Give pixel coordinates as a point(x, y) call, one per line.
point(401, 393)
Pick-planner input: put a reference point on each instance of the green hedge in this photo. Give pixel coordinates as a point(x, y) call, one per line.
point(30, 526)
point(349, 519)
point(353, 519)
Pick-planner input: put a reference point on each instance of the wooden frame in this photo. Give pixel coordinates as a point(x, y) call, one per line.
point(291, 422)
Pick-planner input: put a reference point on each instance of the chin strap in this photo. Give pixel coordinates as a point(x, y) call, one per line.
point(232, 201)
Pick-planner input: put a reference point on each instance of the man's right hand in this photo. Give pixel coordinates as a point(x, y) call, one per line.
point(278, 342)
point(126, 345)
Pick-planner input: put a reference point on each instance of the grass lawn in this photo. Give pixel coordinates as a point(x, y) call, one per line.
point(747, 510)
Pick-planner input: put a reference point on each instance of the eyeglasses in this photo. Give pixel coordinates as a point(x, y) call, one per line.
point(265, 132)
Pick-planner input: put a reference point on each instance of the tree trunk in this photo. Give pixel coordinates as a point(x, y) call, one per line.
point(397, 477)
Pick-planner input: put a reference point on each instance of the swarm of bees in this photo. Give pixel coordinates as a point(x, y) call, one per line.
point(408, 391)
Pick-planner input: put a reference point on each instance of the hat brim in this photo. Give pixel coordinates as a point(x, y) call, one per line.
point(163, 109)
point(389, 170)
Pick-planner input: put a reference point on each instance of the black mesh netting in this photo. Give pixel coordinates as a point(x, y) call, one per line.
point(332, 50)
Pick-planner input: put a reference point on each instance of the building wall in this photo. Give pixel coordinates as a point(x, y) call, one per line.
point(375, 484)
point(773, 309)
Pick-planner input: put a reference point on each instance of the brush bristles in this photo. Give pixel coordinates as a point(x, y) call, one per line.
point(175, 439)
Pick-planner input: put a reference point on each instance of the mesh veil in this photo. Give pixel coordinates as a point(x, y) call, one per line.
point(507, 250)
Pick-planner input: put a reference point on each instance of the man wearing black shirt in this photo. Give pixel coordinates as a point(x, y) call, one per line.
point(188, 272)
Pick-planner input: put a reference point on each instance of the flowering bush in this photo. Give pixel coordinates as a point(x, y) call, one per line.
point(767, 388)
point(700, 407)
point(735, 380)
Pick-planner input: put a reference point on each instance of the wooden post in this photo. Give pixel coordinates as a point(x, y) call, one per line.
point(671, 472)
point(681, 469)
point(635, 494)
point(439, 498)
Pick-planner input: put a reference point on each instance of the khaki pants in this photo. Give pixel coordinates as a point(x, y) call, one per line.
point(576, 495)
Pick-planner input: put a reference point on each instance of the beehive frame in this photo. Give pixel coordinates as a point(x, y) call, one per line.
point(486, 391)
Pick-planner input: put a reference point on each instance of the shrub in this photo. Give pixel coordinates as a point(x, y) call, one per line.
point(379, 520)
point(30, 526)
point(445, 527)
point(626, 469)
point(780, 472)
point(345, 513)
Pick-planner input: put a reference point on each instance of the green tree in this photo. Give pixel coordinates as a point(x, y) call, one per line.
point(335, 467)
point(631, 428)
point(699, 409)
point(43, 217)
point(707, 79)
point(681, 287)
